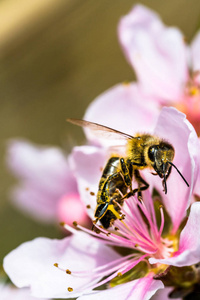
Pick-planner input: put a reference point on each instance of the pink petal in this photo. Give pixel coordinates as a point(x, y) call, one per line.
point(174, 127)
point(122, 108)
point(189, 245)
point(140, 289)
point(32, 264)
point(45, 176)
point(156, 52)
point(195, 52)
point(9, 292)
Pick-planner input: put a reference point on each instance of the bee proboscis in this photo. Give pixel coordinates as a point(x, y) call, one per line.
point(142, 151)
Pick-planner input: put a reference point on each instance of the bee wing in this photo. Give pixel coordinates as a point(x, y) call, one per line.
point(117, 149)
point(101, 130)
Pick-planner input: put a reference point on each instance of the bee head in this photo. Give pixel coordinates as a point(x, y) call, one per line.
point(161, 157)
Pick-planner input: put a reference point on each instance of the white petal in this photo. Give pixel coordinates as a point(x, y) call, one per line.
point(123, 107)
point(9, 292)
point(32, 264)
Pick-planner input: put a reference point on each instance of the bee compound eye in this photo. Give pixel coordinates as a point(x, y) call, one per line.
point(152, 153)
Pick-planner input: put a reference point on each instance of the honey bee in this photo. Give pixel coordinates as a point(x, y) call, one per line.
point(142, 151)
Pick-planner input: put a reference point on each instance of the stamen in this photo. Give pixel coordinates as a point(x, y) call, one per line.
point(75, 224)
point(69, 228)
point(70, 289)
point(151, 210)
point(132, 223)
point(131, 266)
point(153, 226)
point(105, 269)
point(121, 270)
point(135, 218)
point(162, 221)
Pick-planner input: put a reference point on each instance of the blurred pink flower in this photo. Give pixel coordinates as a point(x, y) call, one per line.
point(47, 184)
point(86, 260)
point(167, 68)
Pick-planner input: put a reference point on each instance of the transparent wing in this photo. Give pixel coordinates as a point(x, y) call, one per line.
point(101, 130)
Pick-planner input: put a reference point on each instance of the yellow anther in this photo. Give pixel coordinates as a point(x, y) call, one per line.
point(70, 289)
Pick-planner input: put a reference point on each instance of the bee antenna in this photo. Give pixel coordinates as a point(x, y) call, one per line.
point(179, 172)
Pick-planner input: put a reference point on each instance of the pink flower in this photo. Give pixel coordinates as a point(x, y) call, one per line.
point(47, 184)
point(166, 67)
point(154, 237)
point(8, 292)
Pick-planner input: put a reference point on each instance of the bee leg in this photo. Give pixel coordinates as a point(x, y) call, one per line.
point(126, 171)
point(164, 184)
point(169, 172)
point(140, 181)
point(129, 194)
point(100, 212)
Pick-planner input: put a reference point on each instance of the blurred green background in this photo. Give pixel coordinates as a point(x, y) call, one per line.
point(56, 56)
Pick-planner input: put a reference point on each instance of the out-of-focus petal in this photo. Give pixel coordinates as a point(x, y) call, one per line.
point(9, 292)
point(197, 186)
point(45, 166)
point(87, 163)
point(124, 108)
point(45, 176)
point(32, 264)
point(174, 127)
point(70, 208)
point(157, 53)
point(140, 289)
point(195, 53)
point(39, 204)
point(189, 245)
point(162, 294)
